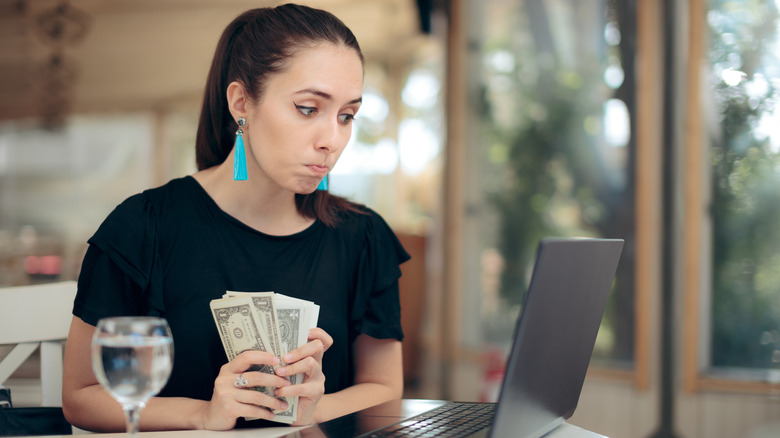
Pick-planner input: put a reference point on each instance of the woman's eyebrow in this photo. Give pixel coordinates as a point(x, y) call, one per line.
point(325, 95)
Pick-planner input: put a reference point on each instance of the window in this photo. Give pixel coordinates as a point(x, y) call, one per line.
point(57, 186)
point(739, 206)
point(550, 152)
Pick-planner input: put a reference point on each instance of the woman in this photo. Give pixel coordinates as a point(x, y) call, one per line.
point(252, 219)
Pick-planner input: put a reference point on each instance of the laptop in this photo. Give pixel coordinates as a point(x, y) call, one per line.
point(551, 350)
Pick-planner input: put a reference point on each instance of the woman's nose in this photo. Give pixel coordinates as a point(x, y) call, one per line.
point(330, 137)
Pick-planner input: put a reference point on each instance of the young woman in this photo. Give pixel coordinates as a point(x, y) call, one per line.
point(291, 76)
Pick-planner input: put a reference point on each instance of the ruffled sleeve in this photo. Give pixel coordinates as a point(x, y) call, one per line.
point(120, 274)
point(377, 309)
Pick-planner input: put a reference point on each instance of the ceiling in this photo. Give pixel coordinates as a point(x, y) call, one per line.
point(134, 55)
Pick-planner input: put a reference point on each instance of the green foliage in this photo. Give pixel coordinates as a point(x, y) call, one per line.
point(746, 236)
point(529, 186)
point(745, 207)
point(549, 170)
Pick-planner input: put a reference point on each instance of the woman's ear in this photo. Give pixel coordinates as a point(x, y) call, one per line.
point(237, 100)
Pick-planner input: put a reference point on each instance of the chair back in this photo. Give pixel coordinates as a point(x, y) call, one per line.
point(32, 317)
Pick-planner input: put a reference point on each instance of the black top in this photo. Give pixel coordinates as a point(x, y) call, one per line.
point(170, 250)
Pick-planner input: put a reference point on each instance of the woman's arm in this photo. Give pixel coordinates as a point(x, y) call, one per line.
point(378, 378)
point(86, 405)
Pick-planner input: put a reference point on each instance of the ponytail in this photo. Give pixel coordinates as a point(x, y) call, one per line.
point(216, 127)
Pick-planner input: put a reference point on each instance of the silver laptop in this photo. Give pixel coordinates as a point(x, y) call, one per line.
point(551, 350)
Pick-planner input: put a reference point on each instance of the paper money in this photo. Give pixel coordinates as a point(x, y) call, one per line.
point(266, 311)
point(239, 330)
point(278, 323)
point(309, 314)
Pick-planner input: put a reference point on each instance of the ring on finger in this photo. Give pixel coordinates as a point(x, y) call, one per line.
point(240, 381)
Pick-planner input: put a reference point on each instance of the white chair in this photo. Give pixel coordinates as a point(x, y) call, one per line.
point(37, 316)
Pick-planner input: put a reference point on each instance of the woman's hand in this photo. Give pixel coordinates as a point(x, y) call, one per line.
point(234, 397)
point(306, 360)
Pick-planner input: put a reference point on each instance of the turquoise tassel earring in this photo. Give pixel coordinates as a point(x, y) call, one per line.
point(239, 156)
point(323, 184)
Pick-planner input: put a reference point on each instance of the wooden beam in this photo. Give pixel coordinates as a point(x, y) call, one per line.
point(648, 185)
point(454, 176)
point(693, 207)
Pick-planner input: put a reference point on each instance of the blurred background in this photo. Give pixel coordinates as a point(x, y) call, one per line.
point(485, 126)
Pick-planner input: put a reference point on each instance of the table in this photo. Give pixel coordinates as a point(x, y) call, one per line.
point(349, 425)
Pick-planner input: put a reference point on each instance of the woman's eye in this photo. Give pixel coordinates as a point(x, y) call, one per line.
point(306, 110)
point(346, 118)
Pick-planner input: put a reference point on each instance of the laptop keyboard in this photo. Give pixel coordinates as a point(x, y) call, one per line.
point(452, 420)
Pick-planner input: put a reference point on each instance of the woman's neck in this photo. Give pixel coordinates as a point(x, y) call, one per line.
point(257, 204)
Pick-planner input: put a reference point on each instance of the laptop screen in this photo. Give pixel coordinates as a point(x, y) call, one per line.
point(555, 334)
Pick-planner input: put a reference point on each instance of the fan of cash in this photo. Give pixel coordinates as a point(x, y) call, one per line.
point(265, 321)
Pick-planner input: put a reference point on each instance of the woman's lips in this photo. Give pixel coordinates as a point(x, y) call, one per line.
point(318, 170)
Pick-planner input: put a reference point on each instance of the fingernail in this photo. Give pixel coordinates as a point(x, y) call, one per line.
point(277, 361)
point(281, 371)
point(288, 357)
point(284, 405)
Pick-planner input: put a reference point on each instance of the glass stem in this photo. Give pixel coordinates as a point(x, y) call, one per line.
point(132, 415)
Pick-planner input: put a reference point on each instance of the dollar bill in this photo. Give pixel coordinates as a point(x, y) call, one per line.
point(239, 330)
point(309, 313)
point(276, 323)
point(265, 309)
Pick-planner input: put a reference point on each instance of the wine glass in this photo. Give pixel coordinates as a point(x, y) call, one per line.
point(132, 358)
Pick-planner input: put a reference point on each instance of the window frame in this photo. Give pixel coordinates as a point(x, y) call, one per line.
point(695, 226)
point(649, 116)
point(648, 112)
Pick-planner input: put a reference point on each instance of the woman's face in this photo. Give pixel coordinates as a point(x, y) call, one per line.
point(303, 120)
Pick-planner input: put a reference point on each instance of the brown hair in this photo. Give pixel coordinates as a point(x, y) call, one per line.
point(254, 46)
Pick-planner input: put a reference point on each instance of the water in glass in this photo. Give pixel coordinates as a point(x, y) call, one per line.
point(132, 358)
